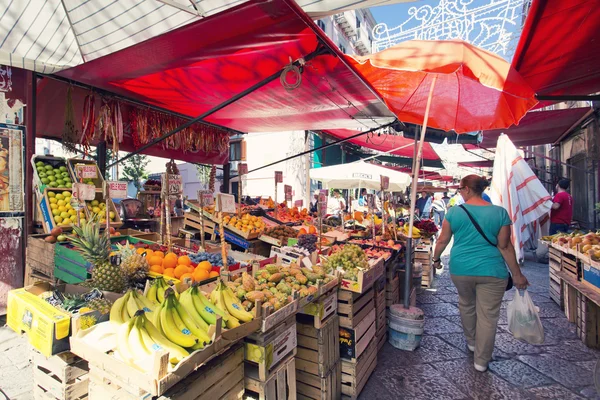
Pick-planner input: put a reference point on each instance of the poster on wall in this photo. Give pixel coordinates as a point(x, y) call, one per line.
point(12, 168)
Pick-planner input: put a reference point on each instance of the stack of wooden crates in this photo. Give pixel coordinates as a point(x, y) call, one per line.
point(358, 350)
point(380, 311)
point(423, 254)
point(556, 291)
point(318, 367)
point(39, 265)
point(60, 377)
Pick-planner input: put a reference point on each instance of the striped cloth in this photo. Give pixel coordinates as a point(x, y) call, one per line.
point(516, 188)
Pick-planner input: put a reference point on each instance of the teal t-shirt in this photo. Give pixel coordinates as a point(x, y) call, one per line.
point(471, 254)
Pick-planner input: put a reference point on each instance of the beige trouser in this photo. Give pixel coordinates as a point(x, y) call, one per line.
point(479, 300)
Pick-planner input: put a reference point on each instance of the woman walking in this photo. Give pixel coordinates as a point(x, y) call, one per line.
point(439, 209)
point(481, 251)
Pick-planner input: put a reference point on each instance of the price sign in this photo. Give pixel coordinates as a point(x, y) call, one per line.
point(83, 191)
point(89, 171)
point(385, 182)
point(278, 176)
point(117, 189)
point(225, 203)
point(175, 185)
point(371, 202)
point(323, 197)
point(299, 203)
point(243, 169)
point(206, 198)
point(288, 192)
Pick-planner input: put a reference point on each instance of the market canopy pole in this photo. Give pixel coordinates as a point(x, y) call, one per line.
point(413, 199)
point(321, 50)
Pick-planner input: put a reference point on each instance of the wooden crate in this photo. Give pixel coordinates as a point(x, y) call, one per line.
point(582, 307)
point(380, 305)
point(392, 292)
point(320, 310)
point(281, 385)
point(556, 292)
point(318, 349)
point(366, 278)
point(356, 374)
point(555, 284)
point(353, 342)
point(63, 376)
point(314, 387)
point(381, 339)
point(221, 378)
point(264, 351)
point(571, 265)
point(353, 308)
point(40, 255)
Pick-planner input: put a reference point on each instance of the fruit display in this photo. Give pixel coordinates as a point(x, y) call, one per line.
point(293, 215)
point(371, 252)
point(214, 259)
point(53, 174)
point(95, 248)
point(427, 227)
point(56, 235)
point(416, 232)
point(63, 213)
point(134, 265)
point(388, 244)
point(587, 244)
point(248, 224)
point(224, 298)
point(281, 232)
point(125, 307)
point(350, 259)
point(308, 242)
point(157, 289)
point(74, 164)
point(97, 211)
point(267, 203)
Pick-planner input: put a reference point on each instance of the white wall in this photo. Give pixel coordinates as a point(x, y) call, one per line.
point(264, 148)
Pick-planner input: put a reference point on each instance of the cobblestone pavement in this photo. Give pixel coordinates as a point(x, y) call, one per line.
point(442, 368)
point(16, 374)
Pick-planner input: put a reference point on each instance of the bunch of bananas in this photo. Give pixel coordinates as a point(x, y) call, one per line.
point(138, 339)
point(127, 306)
point(194, 301)
point(156, 292)
point(224, 298)
point(184, 327)
point(416, 233)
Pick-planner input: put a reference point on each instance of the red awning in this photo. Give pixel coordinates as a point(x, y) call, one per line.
point(197, 67)
point(423, 175)
point(392, 144)
point(557, 53)
point(446, 178)
point(539, 127)
point(477, 164)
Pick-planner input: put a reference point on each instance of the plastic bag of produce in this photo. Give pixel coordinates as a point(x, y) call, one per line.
point(523, 319)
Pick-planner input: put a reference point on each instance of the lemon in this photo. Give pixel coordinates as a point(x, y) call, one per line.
point(72, 212)
point(102, 205)
point(53, 206)
point(95, 202)
point(52, 199)
point(51, 194)
point(64, 214)
point(66, 194)
point(55, 212)
point(61, 202)
point(62, 208)
point(59, 196)
point(111, 215)
point(96, 210)
point(58, 219)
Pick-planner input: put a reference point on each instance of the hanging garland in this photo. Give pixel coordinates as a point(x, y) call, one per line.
point(70, 135)
point(89, 121)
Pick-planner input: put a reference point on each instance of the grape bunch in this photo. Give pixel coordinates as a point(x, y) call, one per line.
point(309, 242)
point(350, 259)
point(214, 259)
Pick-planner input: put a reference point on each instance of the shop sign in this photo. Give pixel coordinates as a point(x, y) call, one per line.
point(371, 202)
point(323, 197)
point(278, 176)
point(175, 185)
point(87, 171)
point(83, 191)
point(225, 203)
point(206, 198)
point(360, 175)
point(288, 192)
point(385, 182)
point(242, 169)
point(299, 203)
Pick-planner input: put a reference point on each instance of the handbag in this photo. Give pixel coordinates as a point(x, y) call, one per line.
point(509, 285)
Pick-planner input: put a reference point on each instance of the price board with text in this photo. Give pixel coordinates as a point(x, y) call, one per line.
point(287, 189)
point(278, 177)
point(117, 189)
point(175, 185)
point(225, 203)
point(206, 198)
point(86, 171)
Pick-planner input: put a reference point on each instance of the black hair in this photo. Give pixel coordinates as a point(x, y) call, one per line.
point(564, 183)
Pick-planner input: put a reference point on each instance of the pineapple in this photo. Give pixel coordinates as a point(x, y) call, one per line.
point(95, 248)
point(101, 305)
point(135, 267)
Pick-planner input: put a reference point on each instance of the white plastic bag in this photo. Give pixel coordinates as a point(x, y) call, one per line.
point(523, 319)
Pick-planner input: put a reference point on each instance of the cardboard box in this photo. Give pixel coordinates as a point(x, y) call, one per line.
point(47, 328)
point(591, 275)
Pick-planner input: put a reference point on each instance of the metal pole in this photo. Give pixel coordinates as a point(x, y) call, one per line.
point(319, 51)
point(101, 158)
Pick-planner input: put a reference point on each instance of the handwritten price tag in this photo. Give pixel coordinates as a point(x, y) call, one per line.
point(225, 203)
point(83, 191)
point(385, 182)
point(117, 189)
point(323, 197)
point(243, 169)
point(206, 198)
point(288, 192)
point(299, 203)
point(87, 171)
point(278, 176)
point(175, 185)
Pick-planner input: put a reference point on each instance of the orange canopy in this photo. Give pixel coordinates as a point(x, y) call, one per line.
point(475, 89)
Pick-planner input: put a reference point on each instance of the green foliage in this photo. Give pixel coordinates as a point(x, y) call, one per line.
point(203, 173)
point(134, 170)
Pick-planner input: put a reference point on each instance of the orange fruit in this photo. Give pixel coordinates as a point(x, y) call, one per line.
point(148, 253)
point(154, 260)
point(200, 275)
point(187, 276)
point(171, 255)
point(180, 270)
point(312, 229)
point(184, 260)
point(159, 254)
point(169, 272)
point(140, 250)
point(190, 268)
point(205, 265)
point(156, 268)
point(213, 274)
point(169, 262)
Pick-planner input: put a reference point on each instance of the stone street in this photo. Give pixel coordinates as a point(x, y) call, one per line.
point(442, 368)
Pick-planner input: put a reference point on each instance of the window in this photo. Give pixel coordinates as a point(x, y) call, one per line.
point(357, 22)
point(342, 48)
point(235, 151)
point(321, 24)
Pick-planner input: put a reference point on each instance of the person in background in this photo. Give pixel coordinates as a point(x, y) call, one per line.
point(314, 202)
point(421, 203)
point(478, 264)
point(484, 195)
point(362, 198)
point(439, 209)
point(336, 203)
point(446, 199)
point(456, 200)
point(427, 209)
point(562, 208)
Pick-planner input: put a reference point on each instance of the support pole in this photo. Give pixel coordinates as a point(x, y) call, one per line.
point(101, 159)
point(413, 199)
point(226, 177)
